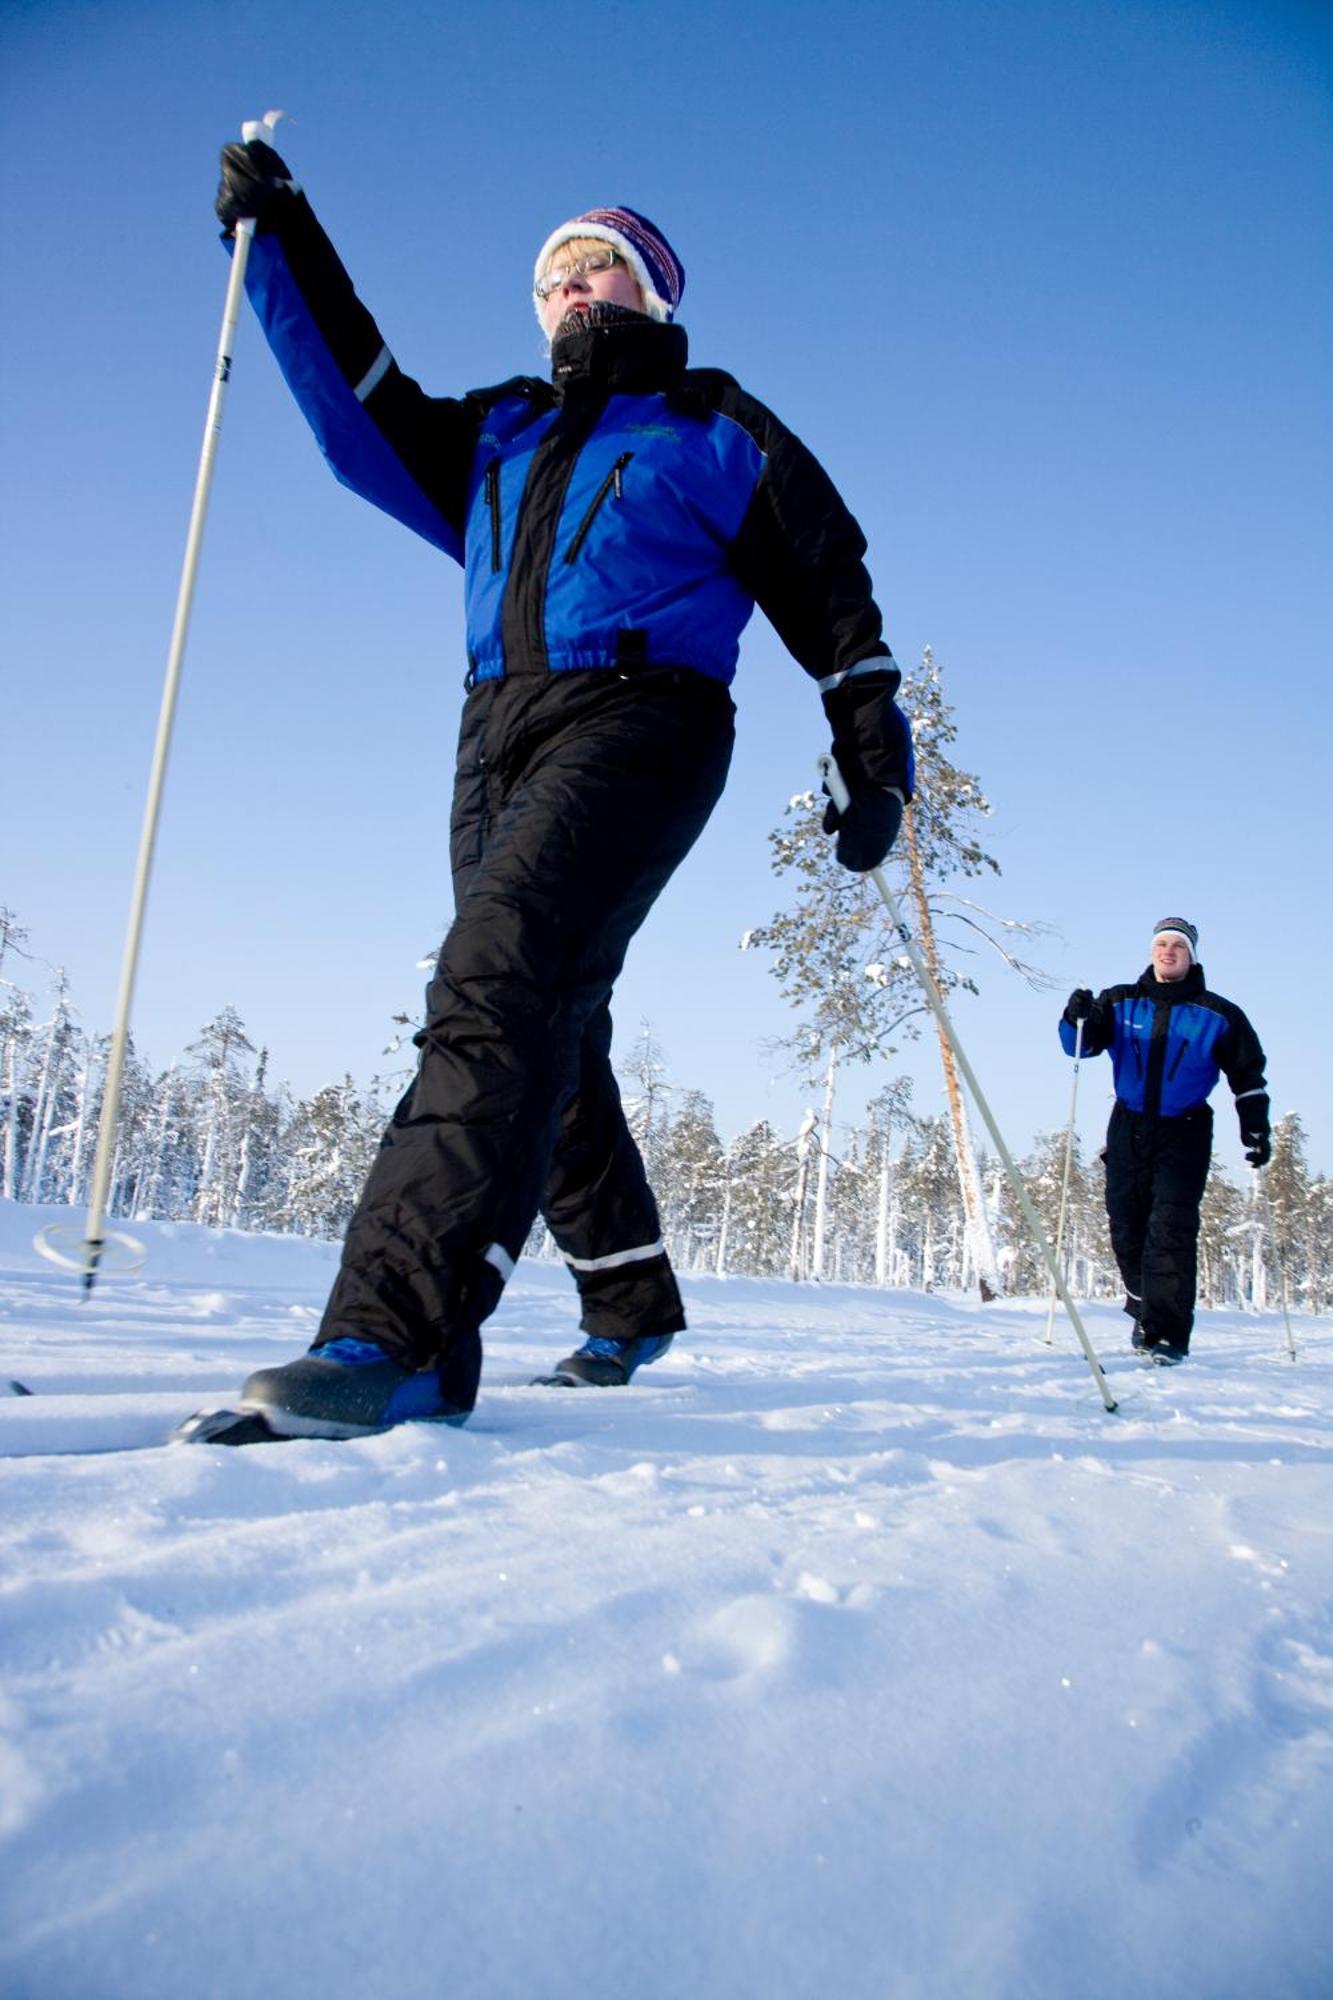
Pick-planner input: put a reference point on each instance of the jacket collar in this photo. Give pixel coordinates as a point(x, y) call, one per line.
point(634, 355)
point(1169, 990)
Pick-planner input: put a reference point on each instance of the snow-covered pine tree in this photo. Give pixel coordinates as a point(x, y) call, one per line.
point(688, 1182)
point(837, 963)
point(939, 844)
point(889, 1115)
point(53, 1112)
point(16, 1034)
point(256, 1166)
point(330, 1144)
point(1286, 1184)
point(1221, 1226)
point(934, 1215)
point(219, 1051)
point(1086, 1259)
point(759, 1215)
point(647, 1095)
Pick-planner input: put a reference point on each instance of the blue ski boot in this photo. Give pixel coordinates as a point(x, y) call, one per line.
point(346, 1388)
point(607, 1364)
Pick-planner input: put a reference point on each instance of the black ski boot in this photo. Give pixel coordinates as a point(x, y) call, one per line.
point(347, 1388)
point(607, 1364)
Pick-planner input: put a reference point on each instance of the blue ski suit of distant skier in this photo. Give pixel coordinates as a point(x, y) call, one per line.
point(616, 526)
point(1169, 1041)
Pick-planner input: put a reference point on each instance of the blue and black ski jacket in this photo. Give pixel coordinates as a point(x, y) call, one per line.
point(627, 514)
point(1169, 1041)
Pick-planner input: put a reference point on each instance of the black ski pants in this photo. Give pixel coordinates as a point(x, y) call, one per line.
point(576, 797)
point(1156, 1171)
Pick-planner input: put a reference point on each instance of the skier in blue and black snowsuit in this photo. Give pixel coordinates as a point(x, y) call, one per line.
point(1169, 1040)
point(617, 525)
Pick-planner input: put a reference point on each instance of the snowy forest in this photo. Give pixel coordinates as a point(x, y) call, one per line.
point(894, 1198)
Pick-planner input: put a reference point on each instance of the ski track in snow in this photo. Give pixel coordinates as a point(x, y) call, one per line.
point(853, 1652)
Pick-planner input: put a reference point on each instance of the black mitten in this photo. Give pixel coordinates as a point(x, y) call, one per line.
point(1258, 1143)
point(866, 828)
point(254, 181)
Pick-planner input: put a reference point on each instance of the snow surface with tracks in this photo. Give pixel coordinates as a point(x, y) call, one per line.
point(854, 1652)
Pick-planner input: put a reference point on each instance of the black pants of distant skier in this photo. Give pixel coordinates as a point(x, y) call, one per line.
point(577, 796)
point(1156, 1170)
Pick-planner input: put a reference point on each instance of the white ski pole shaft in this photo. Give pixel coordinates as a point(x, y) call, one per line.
point(1064, 1184)
point(837, 790)
point(115, 1069)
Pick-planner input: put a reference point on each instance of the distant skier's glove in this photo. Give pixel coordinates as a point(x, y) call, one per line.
point(255, 182)
point(1256, 1140)
point(867, 829)
point(1079, 1005)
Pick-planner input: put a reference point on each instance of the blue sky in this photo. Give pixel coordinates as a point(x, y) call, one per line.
point(1046, 285)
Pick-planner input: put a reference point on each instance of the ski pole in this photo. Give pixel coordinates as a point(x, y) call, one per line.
point(1064, 1185)
point(98, 1245)
point(838, 792)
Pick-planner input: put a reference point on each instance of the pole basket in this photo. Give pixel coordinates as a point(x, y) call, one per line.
point(115, 1251)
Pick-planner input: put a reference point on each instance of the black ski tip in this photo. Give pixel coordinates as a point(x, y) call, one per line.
point(19, 1388)
point(226, 1427)
point(556, 1381)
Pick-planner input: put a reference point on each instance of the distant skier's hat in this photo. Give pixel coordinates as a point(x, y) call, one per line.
point(656, 267)
point(1178, 927)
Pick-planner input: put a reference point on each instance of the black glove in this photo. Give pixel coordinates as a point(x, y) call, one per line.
point(1078, 1007)
point(867, 829)
point(1258, 1144)
point(254, 181)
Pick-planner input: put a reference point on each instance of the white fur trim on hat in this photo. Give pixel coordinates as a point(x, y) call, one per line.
point(597, 232)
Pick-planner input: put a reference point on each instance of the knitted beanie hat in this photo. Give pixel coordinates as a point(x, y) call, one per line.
point(1178, 927)
point(655, 266)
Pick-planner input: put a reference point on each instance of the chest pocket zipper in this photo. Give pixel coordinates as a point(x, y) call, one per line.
point(1178, 1058)
point(493, 502)
point(614, 481)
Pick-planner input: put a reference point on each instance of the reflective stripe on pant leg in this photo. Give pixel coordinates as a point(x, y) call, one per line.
point(600, 1208)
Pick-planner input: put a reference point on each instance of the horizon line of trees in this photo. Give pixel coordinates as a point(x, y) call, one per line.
point(876, 1200)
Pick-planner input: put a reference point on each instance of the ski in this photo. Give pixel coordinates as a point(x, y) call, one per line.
point(227, 1426)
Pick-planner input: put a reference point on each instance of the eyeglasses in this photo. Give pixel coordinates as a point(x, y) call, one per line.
point(582, 267)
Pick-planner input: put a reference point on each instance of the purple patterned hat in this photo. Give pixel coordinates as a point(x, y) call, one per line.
point(656, 267)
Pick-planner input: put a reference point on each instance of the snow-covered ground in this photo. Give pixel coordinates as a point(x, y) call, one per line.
point(854, 1653)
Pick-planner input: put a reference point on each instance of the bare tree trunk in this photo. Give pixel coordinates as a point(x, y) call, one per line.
point(720, 1268)
point(74, 1193)
point(802, 1183)
point(882, 1218)
point(9, 1182)
point(43, 1117)
point(989, 1283)
point(821, 1179)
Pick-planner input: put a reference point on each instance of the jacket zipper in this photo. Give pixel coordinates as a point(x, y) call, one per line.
point(614, 478)
point(493, 502)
